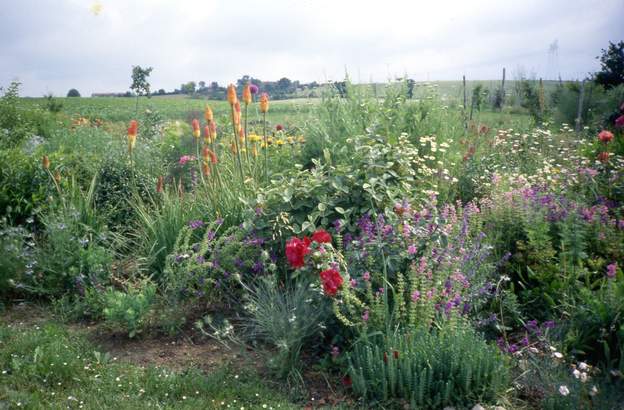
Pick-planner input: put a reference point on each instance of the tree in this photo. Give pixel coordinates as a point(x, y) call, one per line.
point(162, 91)
point(188, 88)
point(73, 93)
point(612, 62)
point(140, 85)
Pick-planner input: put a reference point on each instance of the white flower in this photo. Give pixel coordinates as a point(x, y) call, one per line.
point(558, 355)
point(583, 366)
point(583, 377)
point(563, 390)
point(593, 391)
point(576, 373)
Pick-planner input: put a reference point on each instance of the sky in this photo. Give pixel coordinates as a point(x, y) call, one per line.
point(51, 46)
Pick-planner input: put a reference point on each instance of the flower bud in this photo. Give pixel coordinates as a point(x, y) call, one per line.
point(231, 94)
point(247, 94)
point(196, 131)
point(264, 103)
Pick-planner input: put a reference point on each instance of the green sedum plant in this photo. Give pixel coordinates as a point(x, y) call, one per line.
point(451, 366)
point(130, 310)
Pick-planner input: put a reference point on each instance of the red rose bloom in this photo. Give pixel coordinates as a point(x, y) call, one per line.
point(332, 281)
point(619, 121)
point(605, 136)
point(296, 250)
point(321, 236)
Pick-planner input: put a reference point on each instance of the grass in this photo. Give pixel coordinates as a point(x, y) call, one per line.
point(50, 367)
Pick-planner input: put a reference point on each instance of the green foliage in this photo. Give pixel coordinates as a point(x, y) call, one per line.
point(447, 367)
point(160, 221)
point(130, 310)
point(595, 328)
point(378, 174)
point(117, 183)
point(24, 185)
point(611, 72)
point(76, 247)
point(53, 105)
point(16, 247)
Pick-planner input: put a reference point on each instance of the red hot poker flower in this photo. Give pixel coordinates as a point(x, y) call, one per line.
point(296, 250)
point(321, 236)
point(133, 128)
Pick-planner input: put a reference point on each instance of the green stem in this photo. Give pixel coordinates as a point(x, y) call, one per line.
point(240, 164)
point(246, 143)
point(266, 148)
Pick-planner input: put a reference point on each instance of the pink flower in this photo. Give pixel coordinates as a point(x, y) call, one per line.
point(365, 316)
point(415, 296)
point(186, 158)
point(411, 249)
point(366, 276)
point(335, 352)
point(619, 121)
point(353, 283)
point(612, 270)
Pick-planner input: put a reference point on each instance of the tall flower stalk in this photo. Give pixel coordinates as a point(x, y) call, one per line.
point(235, 107)
point(132, 135)
point(246, 101)
point(264, 108)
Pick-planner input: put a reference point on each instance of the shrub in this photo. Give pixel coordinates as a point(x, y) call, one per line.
point(377, 175)
point(73, 93)
point(24, 185)
point(75, 251)
point(447, 367)
point(129, 310)
point(117, 183)
point(16, 246)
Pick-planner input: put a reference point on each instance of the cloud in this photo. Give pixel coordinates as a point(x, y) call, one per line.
point(54, 45)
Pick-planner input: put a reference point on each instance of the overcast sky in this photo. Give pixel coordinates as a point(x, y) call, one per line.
point(54, 45)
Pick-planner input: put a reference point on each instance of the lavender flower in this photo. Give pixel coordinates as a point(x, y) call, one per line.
point(196, 224)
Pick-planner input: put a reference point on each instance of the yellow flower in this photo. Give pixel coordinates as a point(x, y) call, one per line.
point(279, 142)
point(254, 138)
point(291, 140)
